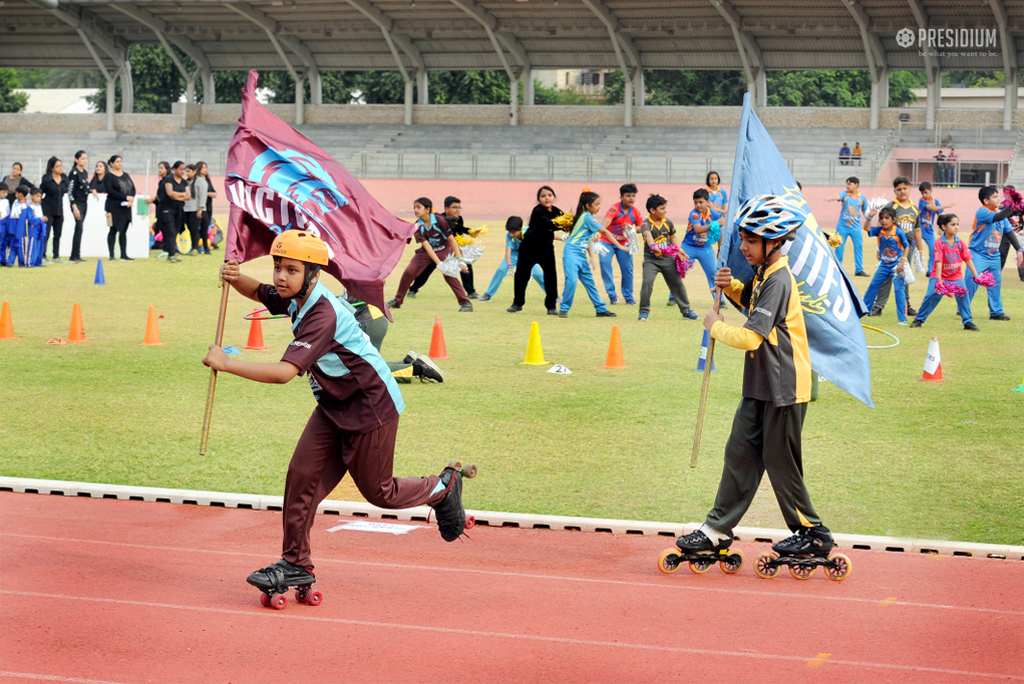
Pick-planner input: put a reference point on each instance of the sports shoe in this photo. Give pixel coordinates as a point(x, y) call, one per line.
point(484, 298)
point(698, 541)
point(861, 274)
point(671, 301)
point(563, 314)
point(58, 260)
point(911, 311)
point(630, 302)
point(411, 293)
point(614, 301)
point(393, 304)
point(690, 315)
point(874, 313)
point(473, 295)
point(606, 314)
point(514, 308)
point(127, 258)
point(916, 324)
point(280, 576)
point(643, 316)
point(451, 516)
point(816, 541)
point(467, 307)
point(173, 260)
point(969, 325)
point(428, 369)
point(552, 312)
point(903, 323)
point(999, 317)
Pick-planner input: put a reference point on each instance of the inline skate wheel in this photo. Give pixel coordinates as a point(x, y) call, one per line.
point(840, 568)
point(701, 566)
point(762, 568)
point(470, 522)
point(732, 563)
point(314, 598)
point(265, 600)
point(802, 572)
point(279, 602)
point(668, 561)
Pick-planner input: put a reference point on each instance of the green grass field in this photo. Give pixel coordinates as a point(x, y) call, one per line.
point(934, 460)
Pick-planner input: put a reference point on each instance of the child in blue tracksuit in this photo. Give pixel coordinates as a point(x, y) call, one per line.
point(574, 255)
point(5, 211)
point(695, 243)
point(513, 236)
point(36, 229)
point(928, 208)
point(850, 223)
point(990, 224)
point(17, 234)
point(892, 245)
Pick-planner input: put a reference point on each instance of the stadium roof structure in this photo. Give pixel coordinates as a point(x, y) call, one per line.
point(307, 37)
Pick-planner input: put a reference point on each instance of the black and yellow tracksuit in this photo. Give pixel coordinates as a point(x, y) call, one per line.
point(767, 427)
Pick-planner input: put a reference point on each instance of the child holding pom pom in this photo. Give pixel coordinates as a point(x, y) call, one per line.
point(574, 255)
point(659, 235)
point(892, 249)
point(698, 241)
point(947, 275)
point(990, 224)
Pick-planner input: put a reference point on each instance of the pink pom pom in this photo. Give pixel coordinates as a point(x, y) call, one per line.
point(985, 279)
point(683, 265)
point(1013, 198)
point(948, 289)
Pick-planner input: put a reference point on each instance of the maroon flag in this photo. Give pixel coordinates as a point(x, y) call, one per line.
point(278, 180)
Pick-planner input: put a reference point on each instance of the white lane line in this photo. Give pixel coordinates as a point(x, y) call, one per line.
point(53, 678)
point(510, 635)
point(557, 578)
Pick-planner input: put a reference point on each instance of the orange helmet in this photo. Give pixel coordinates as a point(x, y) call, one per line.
point(301, 246)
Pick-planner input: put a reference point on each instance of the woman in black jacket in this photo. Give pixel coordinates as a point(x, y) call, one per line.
point(54, 186)
point(120, 198)
point(538, 247)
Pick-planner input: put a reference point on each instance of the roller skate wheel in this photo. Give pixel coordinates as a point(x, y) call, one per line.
point(279, 602)
point(469, 471)
point(843, 568)
point(668, 561)
point(265, 600)
point(300, 595)
point(761, 567)
point(470, 522)
point(731, 566)
point(314, 598)
point(802, 572)
point(699, 567)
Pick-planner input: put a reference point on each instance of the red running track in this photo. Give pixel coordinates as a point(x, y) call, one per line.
point(123, 591)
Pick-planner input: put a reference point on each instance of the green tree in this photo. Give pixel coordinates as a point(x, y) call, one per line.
point(58, 78)
point(689, 88)
point(900, 85)
point(10, 101)
point(156, 81)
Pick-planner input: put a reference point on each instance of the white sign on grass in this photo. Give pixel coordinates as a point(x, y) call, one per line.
point(371, 526)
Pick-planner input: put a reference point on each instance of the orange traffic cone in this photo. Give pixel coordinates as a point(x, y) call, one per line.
point(6, 325)
point(255, 334)
point(437, 348)
point(77, 331)
point(614, 358)
point(152, 329)
point(933, 362)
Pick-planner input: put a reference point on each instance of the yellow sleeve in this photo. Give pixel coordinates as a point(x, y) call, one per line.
point(734, 291)
point(738, 338)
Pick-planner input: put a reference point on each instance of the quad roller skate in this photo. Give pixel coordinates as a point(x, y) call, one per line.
point(701, 553)
point(278, 578)
point(451, 516)
point(802, 554)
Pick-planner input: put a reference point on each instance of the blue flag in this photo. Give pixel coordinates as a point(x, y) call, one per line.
point(832, 306)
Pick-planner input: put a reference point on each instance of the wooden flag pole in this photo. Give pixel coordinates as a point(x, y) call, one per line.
point(225, 288)
point(704, 386)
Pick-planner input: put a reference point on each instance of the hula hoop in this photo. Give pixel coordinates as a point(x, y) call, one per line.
point(253, 317)
point(882, 346)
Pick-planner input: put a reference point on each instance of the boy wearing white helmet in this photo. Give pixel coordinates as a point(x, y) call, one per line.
point(354, 425)
point(776, 388)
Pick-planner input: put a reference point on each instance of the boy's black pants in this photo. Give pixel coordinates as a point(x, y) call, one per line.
point(764, 437)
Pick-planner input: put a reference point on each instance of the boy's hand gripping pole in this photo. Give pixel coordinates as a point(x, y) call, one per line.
point(225, 288)
point(704, 386)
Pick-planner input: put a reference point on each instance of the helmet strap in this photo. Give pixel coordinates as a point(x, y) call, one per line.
point(767, 256)
point(311, 271)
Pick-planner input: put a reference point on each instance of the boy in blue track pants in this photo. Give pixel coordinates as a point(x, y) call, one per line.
point(696, 243)
point(892, 247)
point(850, 223)
point(928, 209)
point(574, 255)
point(620, 216)
point(513, 236)
point(5, 212)
point(990, 224)
point(17, 232)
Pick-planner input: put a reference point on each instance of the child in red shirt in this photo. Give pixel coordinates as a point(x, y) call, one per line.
point(950, 255)
point(619, 217)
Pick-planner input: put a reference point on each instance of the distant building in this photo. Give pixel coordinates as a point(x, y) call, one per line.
point(966, 98)
point(59, 100)
point(583, 81)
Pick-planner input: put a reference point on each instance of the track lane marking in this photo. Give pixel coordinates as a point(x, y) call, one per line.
point(816, 662)
point(509, 635)
point(54, 678)
point(561, 578)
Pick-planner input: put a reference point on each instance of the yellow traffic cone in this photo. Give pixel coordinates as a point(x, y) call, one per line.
point(534, 351)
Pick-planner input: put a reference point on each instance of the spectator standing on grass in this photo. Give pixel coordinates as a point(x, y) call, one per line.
point(99, 177)
point(206, 199)
point(78, 194)
point(15, 180)
point(54, 185)
point(171, 194)
point(192, 209)
point(844, 155)
point(620, 216)
point(120, 199)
